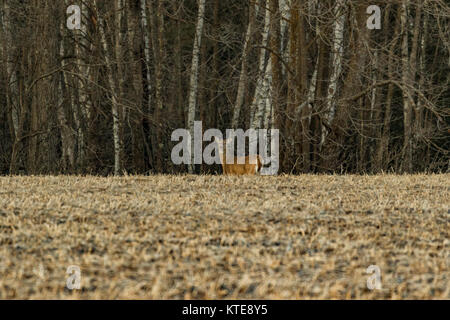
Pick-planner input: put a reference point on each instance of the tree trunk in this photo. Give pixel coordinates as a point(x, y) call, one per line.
point(412, 80)
point(253, 11)
point(276, 63)
point(114, 97)
point(381, 160)
point(194, 77)
point(337, 54)
point(157, 25)
point(148, 79)
point(422, 65)
point(303, 109)
point(285, 11)
point(407, 107)
point(67, 137)
point(320, 92)
point(264, 79)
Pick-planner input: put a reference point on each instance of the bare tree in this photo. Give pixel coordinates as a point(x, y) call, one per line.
point(115, 93)
point(243, 75)
point(194, 74)
point(262, 88)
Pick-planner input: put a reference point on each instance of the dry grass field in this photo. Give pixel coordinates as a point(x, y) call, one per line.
point(219, 237)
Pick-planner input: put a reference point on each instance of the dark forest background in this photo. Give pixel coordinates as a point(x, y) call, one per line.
point(105, 98)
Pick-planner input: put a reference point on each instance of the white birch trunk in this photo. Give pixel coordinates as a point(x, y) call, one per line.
point(120, 43)
point(285, 11)
point(374, 90)
point(114, 91)
point(311, 95)
point(312, 10)
point(243, 73)
point(405, 82)
point(338, 51)
point(423, 42)
point(82, 111)
point(85, 109)
point(147, 53)
point(312, 92)
point(67, 139)
point(264, 75)
point(265, 99)
point(194, 76)
point(268, 117)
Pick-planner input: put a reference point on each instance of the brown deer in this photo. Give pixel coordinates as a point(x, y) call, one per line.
point(251, 165)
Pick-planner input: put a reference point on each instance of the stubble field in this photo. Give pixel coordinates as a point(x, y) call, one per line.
point(220, 237)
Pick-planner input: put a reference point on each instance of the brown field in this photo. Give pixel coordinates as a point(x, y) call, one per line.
point(219, 237)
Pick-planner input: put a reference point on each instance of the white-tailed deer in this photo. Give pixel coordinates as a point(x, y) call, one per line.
point(251, 164)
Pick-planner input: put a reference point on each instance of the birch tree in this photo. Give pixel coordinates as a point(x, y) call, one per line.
point(336, 65)
point(285, 10)
point(243, 74)
point(81, 111)
point(193, 84)
point(114, 94)
point(407, 107)
point(146, 37)
point(65, 97)
point(412, 83)
point(264, 79)
point(422, 70)
point(275, 45)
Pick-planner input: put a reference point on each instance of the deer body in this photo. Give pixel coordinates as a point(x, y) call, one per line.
point(241, 165)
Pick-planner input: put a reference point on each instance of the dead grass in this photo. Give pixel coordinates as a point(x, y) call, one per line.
point(217, 237)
